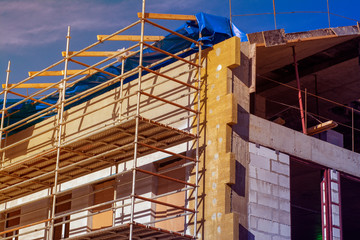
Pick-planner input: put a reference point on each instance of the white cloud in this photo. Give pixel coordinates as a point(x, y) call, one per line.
point(24, 23)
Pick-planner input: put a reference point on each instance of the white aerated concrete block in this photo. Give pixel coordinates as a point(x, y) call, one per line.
point(268, 200)
point(259, 161)
point(267, 152)
point(336, 219)
point(284, 205)
point(277, 237)
point(284, 181)
point(267, 176)
point(283, 158)
point(334, 175)
point(253, 148)
point(282, 217)
point(268, 226)
point(285, 230)
point(252, 172)
point(259, 186)
point(260, 235)
point(253, 222)
point(275, 190)
point(260, 211)
point(335, 209)
point(336, 232)
point(284, 193)
point(334, 187)
point(334, 197)
point(280, 168)
point(253, 196)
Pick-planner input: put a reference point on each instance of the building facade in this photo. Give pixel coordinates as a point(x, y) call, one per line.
point(212, 145)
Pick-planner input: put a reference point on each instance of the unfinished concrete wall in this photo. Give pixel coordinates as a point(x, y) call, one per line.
point(270, 143)
point(297, 144)
point(242, 85)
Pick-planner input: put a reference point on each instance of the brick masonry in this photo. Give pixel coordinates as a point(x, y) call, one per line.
point(269, 194)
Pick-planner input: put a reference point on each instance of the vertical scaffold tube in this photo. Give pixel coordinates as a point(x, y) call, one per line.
point(197, 140)
point(137, 123)
point(3, 112)
point(59, 134)
point(115, 196)
point(121, 90)
point(274, 14)
point(299, 91)
point(230, 12)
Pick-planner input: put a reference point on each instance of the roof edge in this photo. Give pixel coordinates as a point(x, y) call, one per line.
point(279, 37)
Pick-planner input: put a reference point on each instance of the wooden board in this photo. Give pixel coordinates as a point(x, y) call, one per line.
point(61, 73)
point(134, 38)
point(321, 127)
point(31, 85)
point(92, 53)
point(168, 16)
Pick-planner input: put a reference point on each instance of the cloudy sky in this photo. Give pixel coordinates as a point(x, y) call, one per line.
point(32, 33)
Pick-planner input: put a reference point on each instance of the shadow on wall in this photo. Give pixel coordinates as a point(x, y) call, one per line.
point(240, 174)
point(244, 234)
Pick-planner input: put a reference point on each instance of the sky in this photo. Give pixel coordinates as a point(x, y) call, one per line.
point(32, 33)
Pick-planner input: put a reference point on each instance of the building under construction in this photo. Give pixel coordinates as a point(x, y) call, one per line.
point(192, 134)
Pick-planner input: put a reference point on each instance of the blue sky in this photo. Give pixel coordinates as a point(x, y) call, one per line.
point(33, 32)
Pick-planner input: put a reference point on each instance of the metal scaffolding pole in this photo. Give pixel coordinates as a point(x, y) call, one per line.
point(115, 195)
point(49, 176)
point(3, 112)
point(137, 123)
point(299, 91)
point(121, 90)
point(59, 134)
point(197, 140)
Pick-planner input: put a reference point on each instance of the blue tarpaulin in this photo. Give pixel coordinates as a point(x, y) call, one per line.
point(213, 30)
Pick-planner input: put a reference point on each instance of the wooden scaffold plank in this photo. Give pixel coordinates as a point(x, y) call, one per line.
point(61, 73)
point(92, 53)
point(31, 85)
point(135, 38)
point(168, 16)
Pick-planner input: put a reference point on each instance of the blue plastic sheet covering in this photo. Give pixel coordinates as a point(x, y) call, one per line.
point(214, 29)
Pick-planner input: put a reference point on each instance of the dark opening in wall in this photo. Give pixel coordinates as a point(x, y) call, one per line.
point(350, 207)
point(305, 201)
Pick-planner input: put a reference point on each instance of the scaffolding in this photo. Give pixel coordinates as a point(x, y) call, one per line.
point(148, 117)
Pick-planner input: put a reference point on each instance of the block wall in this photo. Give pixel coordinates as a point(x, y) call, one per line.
point(269, 194)
point(335, 204)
